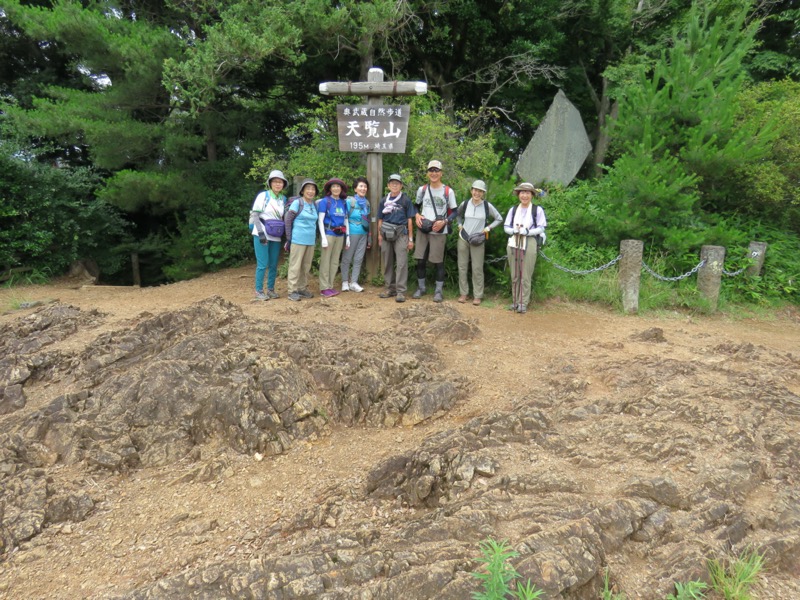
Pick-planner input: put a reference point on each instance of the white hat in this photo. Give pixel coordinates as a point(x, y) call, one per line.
point(395, 177)
point(277, 174)
point(434, 164)
point(479, 184)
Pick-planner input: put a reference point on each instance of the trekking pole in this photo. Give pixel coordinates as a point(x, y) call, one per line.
point(520, 258)
point(513, 275)
point(521, 273)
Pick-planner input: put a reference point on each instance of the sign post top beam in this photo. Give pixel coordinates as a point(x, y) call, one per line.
point(376, 86)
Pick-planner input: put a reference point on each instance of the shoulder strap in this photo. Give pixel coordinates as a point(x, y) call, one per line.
point(485, 213)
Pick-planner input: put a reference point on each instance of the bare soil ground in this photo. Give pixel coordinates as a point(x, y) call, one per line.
point(148, 524)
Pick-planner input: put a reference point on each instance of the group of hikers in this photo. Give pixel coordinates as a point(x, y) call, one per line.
point(343, 224)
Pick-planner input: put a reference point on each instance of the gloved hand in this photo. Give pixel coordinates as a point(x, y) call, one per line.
point(347, 242)
point(286, 246)
point(486, 230)
point(523, 231)
point(537, 231)
point(262, 238)
point(324, 241)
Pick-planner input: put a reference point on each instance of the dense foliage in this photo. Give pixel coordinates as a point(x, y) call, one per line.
point(148, 126)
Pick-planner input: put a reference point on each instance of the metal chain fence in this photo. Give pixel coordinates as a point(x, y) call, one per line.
point(581, 272)
point(647, 268)
point(752, 255)
point(679, 277)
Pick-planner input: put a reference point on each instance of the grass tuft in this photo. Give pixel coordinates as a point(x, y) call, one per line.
point(733, 578)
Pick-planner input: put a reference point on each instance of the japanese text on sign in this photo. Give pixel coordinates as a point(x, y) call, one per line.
point(366, 128)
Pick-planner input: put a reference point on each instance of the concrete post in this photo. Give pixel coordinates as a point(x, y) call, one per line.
point(630, 270)
point(758, 251)
point(709, 276)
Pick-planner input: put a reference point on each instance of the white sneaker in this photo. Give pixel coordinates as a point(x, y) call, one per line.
point(354, 287)
point(345, 287)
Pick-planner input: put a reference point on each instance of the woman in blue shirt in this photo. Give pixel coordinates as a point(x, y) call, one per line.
point(301, 232)
point(358, 221)
point(334, 231)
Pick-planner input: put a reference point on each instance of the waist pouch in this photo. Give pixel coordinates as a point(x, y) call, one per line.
point(476, 239)
point(274, 227)
point(391, 232)
point(427, 224)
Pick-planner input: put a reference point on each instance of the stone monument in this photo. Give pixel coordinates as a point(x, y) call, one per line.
point(558, 149)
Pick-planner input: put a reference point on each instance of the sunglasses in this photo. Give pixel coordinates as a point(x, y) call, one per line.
point(434, 170)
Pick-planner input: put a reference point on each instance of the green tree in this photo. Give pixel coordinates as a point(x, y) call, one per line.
point(768, 189)
point(49, 218)
point(678, 135)
point(107, 105)
point(777, 53)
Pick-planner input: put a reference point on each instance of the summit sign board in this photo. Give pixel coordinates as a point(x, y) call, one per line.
point(372, 128)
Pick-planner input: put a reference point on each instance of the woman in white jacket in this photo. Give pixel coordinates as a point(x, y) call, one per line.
point(524, 224)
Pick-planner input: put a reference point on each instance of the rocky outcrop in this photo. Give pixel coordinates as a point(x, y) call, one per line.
point(613, 459)
point(149, 395)
point(22, 358)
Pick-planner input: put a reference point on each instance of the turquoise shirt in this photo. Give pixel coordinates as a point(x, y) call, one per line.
point(304, 227)
point(357, 207)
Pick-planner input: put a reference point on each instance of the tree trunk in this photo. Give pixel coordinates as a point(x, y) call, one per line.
point(602, 133)
point(211, 149)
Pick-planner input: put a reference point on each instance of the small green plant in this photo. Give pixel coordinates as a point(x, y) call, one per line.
point(608, 593)
point(498, 574)
point(693, 590)
point(14, 303)
point(734, 578)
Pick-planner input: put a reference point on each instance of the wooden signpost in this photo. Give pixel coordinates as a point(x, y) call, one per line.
point(373, 134)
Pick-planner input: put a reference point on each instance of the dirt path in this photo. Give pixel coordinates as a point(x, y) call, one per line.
point(149, 525)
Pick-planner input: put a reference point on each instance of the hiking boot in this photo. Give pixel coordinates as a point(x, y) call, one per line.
point(462, 299)
point(345, 286)
point(272, 294)
point(522, 309)
point(513, 307)
point(354, 287)
point(387, 294)
point(400, 298)
point(438, 296)
point(477, 302)
point(295, 297)
point(305, 294)
point(260, 296)
point(420, 289)
point(326, 293)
